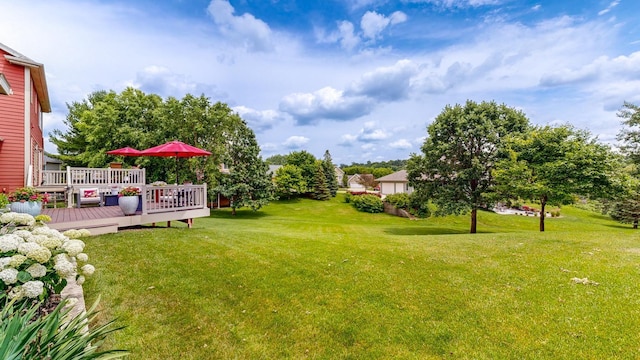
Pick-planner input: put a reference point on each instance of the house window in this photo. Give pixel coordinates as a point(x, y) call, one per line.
point(5, 88)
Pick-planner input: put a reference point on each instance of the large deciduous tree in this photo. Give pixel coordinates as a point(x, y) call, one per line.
point(289, 181)
point(554, 164)
point(458, 156)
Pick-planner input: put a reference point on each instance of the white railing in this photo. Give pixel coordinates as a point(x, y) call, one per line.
point(93, 177)
point(157, 199)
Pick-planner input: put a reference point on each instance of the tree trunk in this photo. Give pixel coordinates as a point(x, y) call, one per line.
point(635, 224)
point(233, 205)
point(474, 220)
point(543, 202)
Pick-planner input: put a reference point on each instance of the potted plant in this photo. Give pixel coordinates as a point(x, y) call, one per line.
point(27, 200)
point(128, 200)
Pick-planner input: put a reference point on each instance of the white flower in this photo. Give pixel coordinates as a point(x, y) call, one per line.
point(88, 269)
point(16, 293)
point(22, 233)
point(17, 260)
point(4, 262)
point(50, 243)
point(9, 276)
point(41, 254)
point(80, 280)
point(17, 218)
point(9, 242)
point(26, 247)
point(73, 247)
point(82, 257)
point(65, 268)
point(37, 270)
point(33, 289)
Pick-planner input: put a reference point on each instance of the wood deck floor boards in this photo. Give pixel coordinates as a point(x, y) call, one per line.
point(105, 219)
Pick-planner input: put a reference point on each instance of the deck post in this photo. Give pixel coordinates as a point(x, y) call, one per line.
point(69, 189)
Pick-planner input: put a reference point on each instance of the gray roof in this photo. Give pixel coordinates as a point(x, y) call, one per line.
point(398, 176)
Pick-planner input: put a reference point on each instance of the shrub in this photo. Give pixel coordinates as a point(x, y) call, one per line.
point(399, 200)
point(368, 203)
point(347, 198)
point(4, 201)
point(35, 261)
point(25, 335)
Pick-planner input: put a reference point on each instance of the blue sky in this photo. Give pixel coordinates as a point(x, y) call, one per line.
point(360, 78)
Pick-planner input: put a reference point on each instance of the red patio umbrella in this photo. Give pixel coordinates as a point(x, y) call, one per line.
point(175, 148)
point(125, 151)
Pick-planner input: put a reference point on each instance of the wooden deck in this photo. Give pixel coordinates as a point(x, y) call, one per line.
point(108, 219)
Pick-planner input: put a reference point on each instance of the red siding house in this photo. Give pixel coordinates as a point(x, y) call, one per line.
point(23, 99)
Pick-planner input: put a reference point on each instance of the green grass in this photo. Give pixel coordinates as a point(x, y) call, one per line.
point(318, 280)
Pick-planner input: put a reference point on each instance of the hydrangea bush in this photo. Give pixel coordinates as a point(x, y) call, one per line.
point(35, 260)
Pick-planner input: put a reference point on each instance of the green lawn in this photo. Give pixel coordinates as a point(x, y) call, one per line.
point(318, 280)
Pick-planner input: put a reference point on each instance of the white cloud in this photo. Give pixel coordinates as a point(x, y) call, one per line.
point(609, 8)
point(259, 120)
point(295, 142)
point(162, 81)
point(387, 83)
point(458, 3)
point(326, 103)
point(403, 144)
point(348, 140)
point(347, 36)
point(372, 23)
point(254, 34)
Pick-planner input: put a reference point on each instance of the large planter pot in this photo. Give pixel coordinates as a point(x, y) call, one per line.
point(128, 204)
point(32, 208)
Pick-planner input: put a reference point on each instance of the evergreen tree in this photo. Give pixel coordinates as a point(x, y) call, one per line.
point(248, 182)
point(320, 188)
point(627, 210)
point(330, 173)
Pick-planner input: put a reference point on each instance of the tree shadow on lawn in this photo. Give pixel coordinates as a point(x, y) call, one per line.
point(428, 231)
point(241, 214)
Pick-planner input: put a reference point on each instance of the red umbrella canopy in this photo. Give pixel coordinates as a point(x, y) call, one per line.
point(125, 151)
point(175, 148)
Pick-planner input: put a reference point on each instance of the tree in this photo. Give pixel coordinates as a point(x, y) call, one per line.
point(248, 182)
point(630, 133)
point(276, 160)
point(330, 173)
point(368, 181)
point(627, 210)
point(306, 162)
point(289, 181)
point(552, 165)
point(320, 188)
point(458, 155)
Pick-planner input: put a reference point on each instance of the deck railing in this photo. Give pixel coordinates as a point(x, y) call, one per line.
point(173, 198)
point(93, 177)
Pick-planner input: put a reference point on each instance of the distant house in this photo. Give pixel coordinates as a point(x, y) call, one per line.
point(394, 183)
point(354, 183)
point(23, 99)
point(273, 169)
point(339, 176)
point(51, 163)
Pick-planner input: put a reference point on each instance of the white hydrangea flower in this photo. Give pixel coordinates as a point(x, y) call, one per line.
point(41, 254)
point(33, 289)
point(24, 234)
point(37, 238)
point(65, 268)
point(9, 276)
point(26, 247)
point(16, 293)
point(82, 257)
point(4, 262)
point(73, 247)
point(50, 243)
point(9, 242)
point(88, 269)
point(37, 270)
point(17, 218)
point(17, 260)
point(80, 280)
